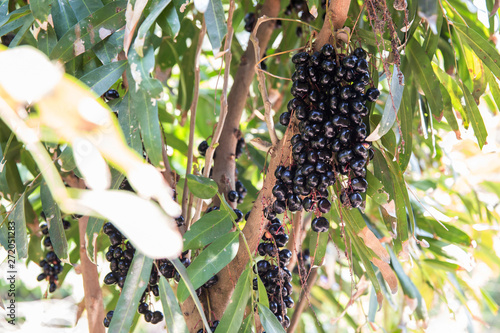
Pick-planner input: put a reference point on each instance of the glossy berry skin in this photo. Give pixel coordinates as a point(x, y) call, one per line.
point(202, 148)
point(157, 317)
point(111, 94)
point(232, 196)
point(300, 58)
point(356, 200)
point(281, 240)
point(372, 94)
point(324, 205)
point(285, 118)
point(359, 184)
point(360, 53)
point(320, 224)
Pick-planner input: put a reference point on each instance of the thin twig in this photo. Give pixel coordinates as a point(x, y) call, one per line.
point(299, 308)
point(223, 105)
point(262, 84)
point(192, 124)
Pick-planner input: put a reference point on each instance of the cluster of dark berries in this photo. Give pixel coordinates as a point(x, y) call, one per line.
point(302, 10)
point(51, 264)
point(330, 94)
point(272, 270)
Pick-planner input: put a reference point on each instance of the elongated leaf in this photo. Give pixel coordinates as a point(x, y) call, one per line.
point(135, 284)
point(28, 21)
point(47, 40)
point(84, 8)
point(201, 187)
point(483, 49)
point(207, 229)
point(442, 265)
point(233, 316)
point(494, 89)
point(216, 25)
point(103, 77)
point(40, 9)
point(129, 123)
point(54, 221)
point(421, 66)
point(173, 315)
point(246, 327)
point(391, 106)
point(317, 247)
point(185, 278)
point(18, 216)
point(409, 288)
point(269, 320)
point(88, 32)
point(214, 258)
point(448, 111)
point(475, 117)
point(141, 67)
point(169, 19)
point(146, 25)
point(108, 49)
point(263, 298)
point(62, 16)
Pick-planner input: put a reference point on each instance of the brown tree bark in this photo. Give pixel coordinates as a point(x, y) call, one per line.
point(225, 166)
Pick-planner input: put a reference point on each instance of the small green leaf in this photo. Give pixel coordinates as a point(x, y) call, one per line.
point(216, 25)
point(317, 247)
point(483, 49)
point(185, 278)
point(108, 49)
point(135, 284)
point(233, 315)
point(173, 315)
point(443, 265)
point(214, 258)
point(207, 229)
point(88, 32)
point(54, 221)
point(269, 320)
point(201, 187)
point(102, 78)
point(475, 117)
point(47, 40)
point(262, 292)
point(421, 66)
point(246, 327)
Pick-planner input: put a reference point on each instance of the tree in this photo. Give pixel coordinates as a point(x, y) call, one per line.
point(160, 189)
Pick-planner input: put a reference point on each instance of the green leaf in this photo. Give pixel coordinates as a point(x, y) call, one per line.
point(47, 40)
point(246, 327)
point(263, 298)
point(216, 25)
point(233, 315)
point(185, 278)
point(317, 247)
point(376, 189)
point(28, 21)
point(173, 315)
point(62, 16)
point(67, 159)
point(201, 187)
point(391, 106)
point(475, 117)
point(40, 9)
point(214, 258)
point(129, 123)
point(18, 216)
point(108, 49)
point(147, 24)
point(442, 265)
point(494, 89)
point(102, 78)
point(88, 32)
point(483, 49)
point(269, 320)
point(207, 229)
point(84, 8)
point(54, 221)
point(169, 20)
point(421, 66)
point(141, 67)
point(146, 110)
point(451, 86)
point(135, 284)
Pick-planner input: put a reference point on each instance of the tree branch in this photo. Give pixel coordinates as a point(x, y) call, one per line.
point(334, 20)
point(299, 308)
point(225, 164)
